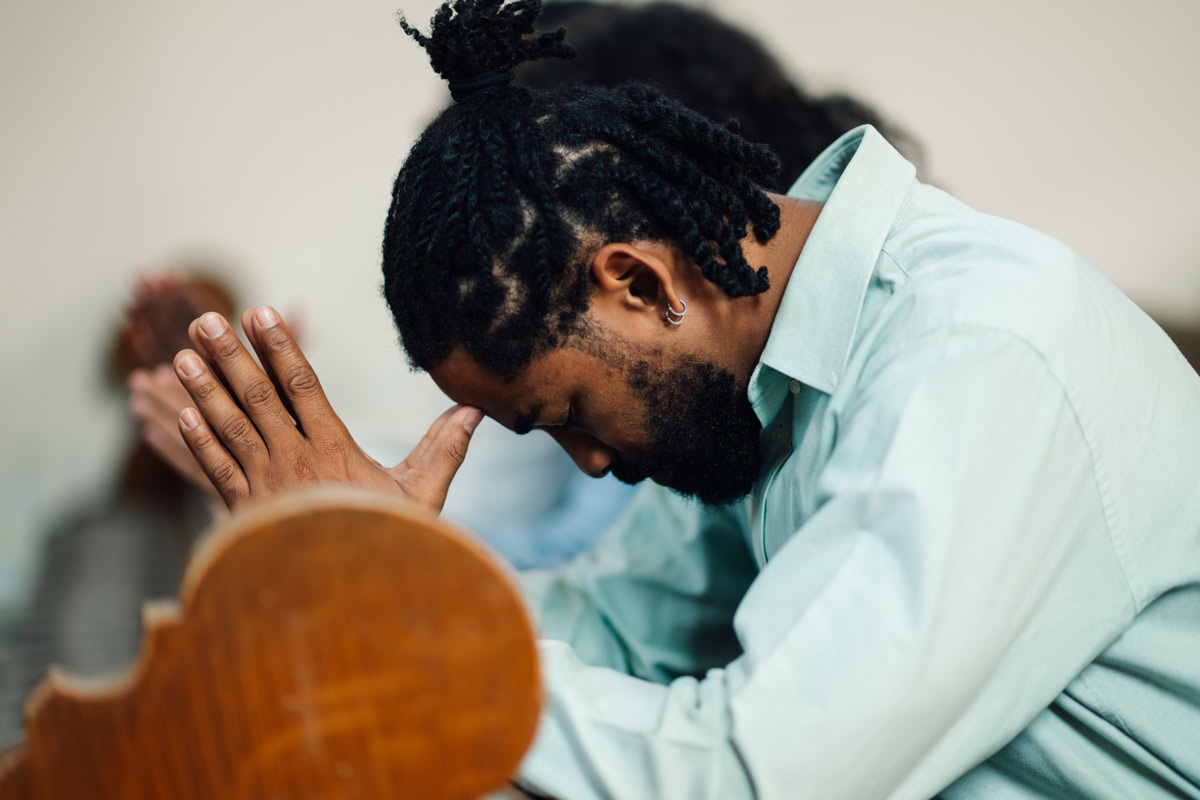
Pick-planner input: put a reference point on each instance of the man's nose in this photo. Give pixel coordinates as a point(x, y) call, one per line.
point(589, 454)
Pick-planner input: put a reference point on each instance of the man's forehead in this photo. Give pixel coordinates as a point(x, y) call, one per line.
point(514, 404)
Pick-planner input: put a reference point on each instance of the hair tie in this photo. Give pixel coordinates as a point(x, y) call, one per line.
point(461, 90)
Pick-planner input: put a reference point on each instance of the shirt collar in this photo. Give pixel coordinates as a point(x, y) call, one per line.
point(863, 182)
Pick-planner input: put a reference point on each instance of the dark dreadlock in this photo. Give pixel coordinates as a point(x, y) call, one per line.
point(505, 193)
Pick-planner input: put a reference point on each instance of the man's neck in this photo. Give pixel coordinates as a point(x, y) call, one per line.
point(748, 321)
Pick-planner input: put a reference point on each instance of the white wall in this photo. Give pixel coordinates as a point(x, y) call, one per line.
point(1078, 117)
point(266, 134)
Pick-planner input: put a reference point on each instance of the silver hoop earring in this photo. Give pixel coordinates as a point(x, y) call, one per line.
point(676, 317)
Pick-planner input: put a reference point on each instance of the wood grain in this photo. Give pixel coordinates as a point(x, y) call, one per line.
point(335, 645)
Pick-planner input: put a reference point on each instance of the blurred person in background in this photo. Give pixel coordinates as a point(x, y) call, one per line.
point(99, 563)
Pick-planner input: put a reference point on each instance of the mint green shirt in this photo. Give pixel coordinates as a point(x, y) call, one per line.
point(972, 566)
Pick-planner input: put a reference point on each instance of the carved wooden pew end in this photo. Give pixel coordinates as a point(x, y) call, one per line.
point(337, 644)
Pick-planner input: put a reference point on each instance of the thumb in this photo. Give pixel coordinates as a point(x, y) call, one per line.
point(428, 478)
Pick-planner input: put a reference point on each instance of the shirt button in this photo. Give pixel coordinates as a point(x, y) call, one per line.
point(794, 386)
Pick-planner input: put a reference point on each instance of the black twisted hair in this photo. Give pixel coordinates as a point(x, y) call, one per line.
point(711, 67)
point(506, 194)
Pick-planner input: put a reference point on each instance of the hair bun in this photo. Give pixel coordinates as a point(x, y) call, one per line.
point(461, 90)
point(475, 44)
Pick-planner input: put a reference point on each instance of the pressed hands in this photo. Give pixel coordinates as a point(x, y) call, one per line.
point(255, 431)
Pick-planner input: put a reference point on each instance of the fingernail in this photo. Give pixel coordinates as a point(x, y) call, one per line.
point(212, 325)
point(266, 316)
point(189, 366)
point(190, 418)
point(472, 421)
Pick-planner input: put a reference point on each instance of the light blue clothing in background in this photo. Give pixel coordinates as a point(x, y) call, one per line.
point(584, 509)
point(523, 495)
point(972, 566)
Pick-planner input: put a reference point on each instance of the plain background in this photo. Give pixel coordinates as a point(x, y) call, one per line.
point(265, 135)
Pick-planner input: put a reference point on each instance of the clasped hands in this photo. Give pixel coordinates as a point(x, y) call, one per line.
point(256, 431)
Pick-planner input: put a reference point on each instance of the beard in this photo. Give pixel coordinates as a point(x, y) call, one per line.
point(703, 433)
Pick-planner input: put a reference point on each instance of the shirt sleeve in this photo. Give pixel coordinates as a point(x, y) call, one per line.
point(957, 574)
point(655, 598)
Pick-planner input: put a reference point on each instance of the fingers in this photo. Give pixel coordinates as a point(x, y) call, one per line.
point(222, 470)
point(157, 398)
point(434, 463)
point(247, 383)
point(154, 404)
point(297, 381)
point(168, 391)
point(169, 446)
point(252, 336)
point(430, 437)
point(448, 449)
point(236, 435)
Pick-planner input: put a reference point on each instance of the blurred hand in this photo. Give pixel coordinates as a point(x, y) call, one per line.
point(156, 397)
point(164, 304)
point(256, 431)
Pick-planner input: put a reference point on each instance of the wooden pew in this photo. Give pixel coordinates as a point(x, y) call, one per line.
point(332, 645)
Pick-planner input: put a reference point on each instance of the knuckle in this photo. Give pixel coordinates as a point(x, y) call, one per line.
point(204, 390)
point(224, 474)
point(259, 396)
point(276, 340)
point(226, 347)
point(456, 451)
point(202, 441)
point(238, 430)
point(303, 381)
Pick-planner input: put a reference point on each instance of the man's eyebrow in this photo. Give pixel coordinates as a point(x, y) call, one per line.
point(525, 421)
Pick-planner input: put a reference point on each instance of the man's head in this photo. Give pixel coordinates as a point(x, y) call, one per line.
point(516, 206)
point(635, 394)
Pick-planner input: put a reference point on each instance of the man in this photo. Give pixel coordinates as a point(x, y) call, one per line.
point(950, 539)
point(519, 495)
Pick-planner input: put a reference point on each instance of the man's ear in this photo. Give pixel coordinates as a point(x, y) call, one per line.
point(637, 278)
